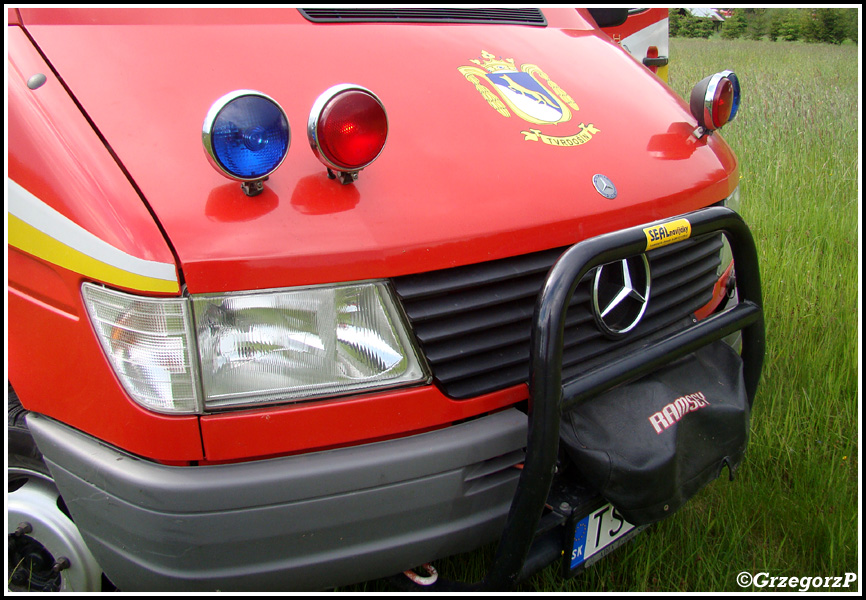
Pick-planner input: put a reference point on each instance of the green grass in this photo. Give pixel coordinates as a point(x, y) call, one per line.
point(793, 509)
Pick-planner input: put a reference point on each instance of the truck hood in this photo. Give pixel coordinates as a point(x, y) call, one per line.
point(459, 181)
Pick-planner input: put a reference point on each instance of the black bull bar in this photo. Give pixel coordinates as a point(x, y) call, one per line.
point(550, 396)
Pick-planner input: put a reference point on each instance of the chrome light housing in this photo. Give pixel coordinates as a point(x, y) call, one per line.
point(347, 129)
point(715, 100)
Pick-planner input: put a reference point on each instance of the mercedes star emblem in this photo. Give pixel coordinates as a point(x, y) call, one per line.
point(620, 294)
point(604, 186)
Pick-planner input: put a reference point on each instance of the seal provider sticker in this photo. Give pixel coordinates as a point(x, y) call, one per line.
point(528, 93)
point(667, 233)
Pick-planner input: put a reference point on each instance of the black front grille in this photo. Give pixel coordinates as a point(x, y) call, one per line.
point(501, 16)
point(474, 322)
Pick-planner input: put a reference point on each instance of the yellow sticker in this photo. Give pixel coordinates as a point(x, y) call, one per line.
point(667, 233)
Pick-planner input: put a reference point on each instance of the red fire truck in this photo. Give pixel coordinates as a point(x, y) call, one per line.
point(491, 296)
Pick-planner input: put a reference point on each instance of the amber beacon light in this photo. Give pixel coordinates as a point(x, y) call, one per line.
point(347, 130)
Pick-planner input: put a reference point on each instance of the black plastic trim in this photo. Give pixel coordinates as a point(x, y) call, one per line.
point(655, 62)
point(473, 322)
point(549, 396)
point(477, 16)
point(526, 544)
point(304, 522)
point(609, 17)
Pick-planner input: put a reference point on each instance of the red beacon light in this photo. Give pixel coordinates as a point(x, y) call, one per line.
point(715, 101)
point(347, 130)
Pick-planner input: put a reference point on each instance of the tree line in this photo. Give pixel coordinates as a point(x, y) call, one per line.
point(821, 25)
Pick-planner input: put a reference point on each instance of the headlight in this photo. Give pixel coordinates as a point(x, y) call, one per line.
point(148, 343)
point(257, 348)
point(293, 344)
point(732, 202)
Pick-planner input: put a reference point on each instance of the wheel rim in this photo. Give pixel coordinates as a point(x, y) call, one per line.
point(33, 499)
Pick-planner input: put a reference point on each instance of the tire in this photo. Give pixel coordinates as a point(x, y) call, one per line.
point(46, 550)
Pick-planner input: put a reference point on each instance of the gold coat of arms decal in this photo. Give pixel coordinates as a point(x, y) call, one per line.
point(523, 92)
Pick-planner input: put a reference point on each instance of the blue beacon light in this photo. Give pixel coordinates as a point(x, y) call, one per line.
point(246, 137)
point(732, 77)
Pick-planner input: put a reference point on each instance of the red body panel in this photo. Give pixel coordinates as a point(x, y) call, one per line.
point(457, 183)
point(55, 362)
point(644, 35)
point(446, 190)
point(332, 423)
point(55, 154)
point(70, 379)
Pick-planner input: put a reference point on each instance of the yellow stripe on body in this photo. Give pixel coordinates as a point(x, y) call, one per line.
point(31, 240)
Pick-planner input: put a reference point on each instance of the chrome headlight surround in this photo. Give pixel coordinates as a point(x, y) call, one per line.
point(209, 352)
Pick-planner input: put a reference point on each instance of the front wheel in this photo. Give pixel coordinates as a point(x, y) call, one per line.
point(46, 550)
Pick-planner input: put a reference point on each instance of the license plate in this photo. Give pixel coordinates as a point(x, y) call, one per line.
point(597, 534)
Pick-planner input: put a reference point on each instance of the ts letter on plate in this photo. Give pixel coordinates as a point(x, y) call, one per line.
point(597, 534)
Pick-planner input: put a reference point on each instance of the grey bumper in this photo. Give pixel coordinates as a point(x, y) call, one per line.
point(303, 522)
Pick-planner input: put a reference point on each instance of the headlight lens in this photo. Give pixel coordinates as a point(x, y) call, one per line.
point(276, 346)
point(301, 343)
point(148, 342)
point(732, 202)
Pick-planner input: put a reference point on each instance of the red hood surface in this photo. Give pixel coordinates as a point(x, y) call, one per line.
point(457, 183)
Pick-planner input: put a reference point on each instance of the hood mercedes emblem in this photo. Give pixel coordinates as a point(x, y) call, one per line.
point(604, 186)
point(620, 294)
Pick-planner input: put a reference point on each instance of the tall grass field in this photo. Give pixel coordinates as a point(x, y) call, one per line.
point(792, 510)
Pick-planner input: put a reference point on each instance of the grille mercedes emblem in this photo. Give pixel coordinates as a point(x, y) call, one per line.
point(620, 293)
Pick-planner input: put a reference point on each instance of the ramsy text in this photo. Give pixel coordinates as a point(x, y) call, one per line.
point(675, 411)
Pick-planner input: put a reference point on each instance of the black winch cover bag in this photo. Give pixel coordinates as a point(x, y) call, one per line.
point(650, 445)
